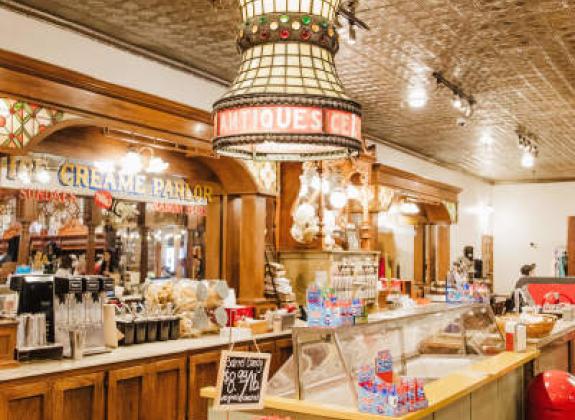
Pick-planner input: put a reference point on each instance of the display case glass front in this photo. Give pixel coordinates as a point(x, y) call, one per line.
point(425, 343)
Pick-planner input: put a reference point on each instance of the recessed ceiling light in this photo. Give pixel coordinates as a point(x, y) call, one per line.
point(486, 139)
point(417, 97)
point(527, 160)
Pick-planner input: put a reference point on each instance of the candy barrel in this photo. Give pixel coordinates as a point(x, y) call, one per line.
point(551, 396)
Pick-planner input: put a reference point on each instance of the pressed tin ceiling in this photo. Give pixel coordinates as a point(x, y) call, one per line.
point(517, 58)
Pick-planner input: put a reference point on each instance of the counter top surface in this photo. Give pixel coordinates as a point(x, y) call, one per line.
point(440, 393)
point(125, 354)
point(560, 330)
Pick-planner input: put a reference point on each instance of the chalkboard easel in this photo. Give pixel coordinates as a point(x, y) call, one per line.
point(242, 380)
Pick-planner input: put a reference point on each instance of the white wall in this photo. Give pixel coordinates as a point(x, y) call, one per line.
point(476, 194)
point(50, 43)
point(524, 214)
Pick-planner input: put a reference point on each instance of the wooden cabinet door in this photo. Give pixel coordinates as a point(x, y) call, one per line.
point(79, 397)
point(284, 350)
point(203, 372)
point(267, 347)
point(169, 383)
point(129, 394)
point(27, 401)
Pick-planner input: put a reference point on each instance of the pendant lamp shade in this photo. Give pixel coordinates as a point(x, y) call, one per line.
point(287, 102)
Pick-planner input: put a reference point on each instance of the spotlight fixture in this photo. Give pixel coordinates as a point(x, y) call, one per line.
point(527, 142)
point(347, 11)
point(133, 162)
point(461, 101)
point(43, 176)
point(409, 208)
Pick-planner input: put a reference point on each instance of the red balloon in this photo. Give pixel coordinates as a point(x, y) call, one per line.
point(551, 396)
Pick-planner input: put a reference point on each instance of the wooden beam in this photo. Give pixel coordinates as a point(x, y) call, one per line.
point(414, 184)
point(53, 86)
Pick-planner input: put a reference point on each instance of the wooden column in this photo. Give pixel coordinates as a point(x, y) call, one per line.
point(232, 261)
point(143, 231)
point(252, 248)
point(191, 226)
point(419, 256)
point(443, 251)
point(92, 218)
point(26, 213)
point(571, 246)
point(213, 239)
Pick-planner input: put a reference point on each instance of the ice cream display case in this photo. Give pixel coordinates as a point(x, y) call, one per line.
point(397, 353)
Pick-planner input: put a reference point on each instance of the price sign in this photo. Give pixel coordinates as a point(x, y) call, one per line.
point(242, 380)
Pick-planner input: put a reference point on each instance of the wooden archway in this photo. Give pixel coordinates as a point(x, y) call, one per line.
point(95, 104)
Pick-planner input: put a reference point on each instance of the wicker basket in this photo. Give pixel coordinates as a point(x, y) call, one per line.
point(539, 330)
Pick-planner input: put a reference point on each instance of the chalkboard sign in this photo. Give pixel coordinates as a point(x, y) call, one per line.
point(242, 380)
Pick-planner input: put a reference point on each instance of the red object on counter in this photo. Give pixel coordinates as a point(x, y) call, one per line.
point(238, 313)
point(551, 396)
point(539, 291)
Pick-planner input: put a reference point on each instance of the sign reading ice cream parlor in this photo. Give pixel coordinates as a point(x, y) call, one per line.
point(84, 179)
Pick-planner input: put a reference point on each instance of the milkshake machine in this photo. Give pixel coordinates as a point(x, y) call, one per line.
point(94, 291)
point(79, 303)
point(69, 309)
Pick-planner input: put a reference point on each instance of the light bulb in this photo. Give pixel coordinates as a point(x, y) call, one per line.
point(417, 97)
point(43, 176)
point(407, 207)
point(325, 186)
point(131, 163)
point(352, 192)
point(486, 139)
point(457, 104)
point(338, 199)
point(157, 165)
point(527, 160)
point(315, 182)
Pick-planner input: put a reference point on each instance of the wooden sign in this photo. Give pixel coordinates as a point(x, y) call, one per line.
point(242, 380)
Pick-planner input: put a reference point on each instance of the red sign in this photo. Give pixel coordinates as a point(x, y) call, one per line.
point(179, 209)
point(45, 195)
point(287, 120)
point(103, 199)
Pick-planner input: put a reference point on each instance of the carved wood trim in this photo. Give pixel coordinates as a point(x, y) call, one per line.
point(30, 66)
point(412, 183)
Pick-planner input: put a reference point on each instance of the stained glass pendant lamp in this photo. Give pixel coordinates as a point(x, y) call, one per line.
point(287, 102)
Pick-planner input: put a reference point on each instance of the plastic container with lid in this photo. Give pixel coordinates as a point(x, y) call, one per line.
point(140, 325)
point(174, 328)
point(127, 328)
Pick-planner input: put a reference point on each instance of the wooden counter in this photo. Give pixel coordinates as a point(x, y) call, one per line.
point(557, 349)
point(142, 382)
point(483, 389)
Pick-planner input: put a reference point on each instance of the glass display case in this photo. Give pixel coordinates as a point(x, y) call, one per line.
point(428, 343)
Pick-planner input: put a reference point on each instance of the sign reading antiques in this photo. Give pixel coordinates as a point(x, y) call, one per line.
point(287, 119)
point(84, 179)
point(242, 380)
